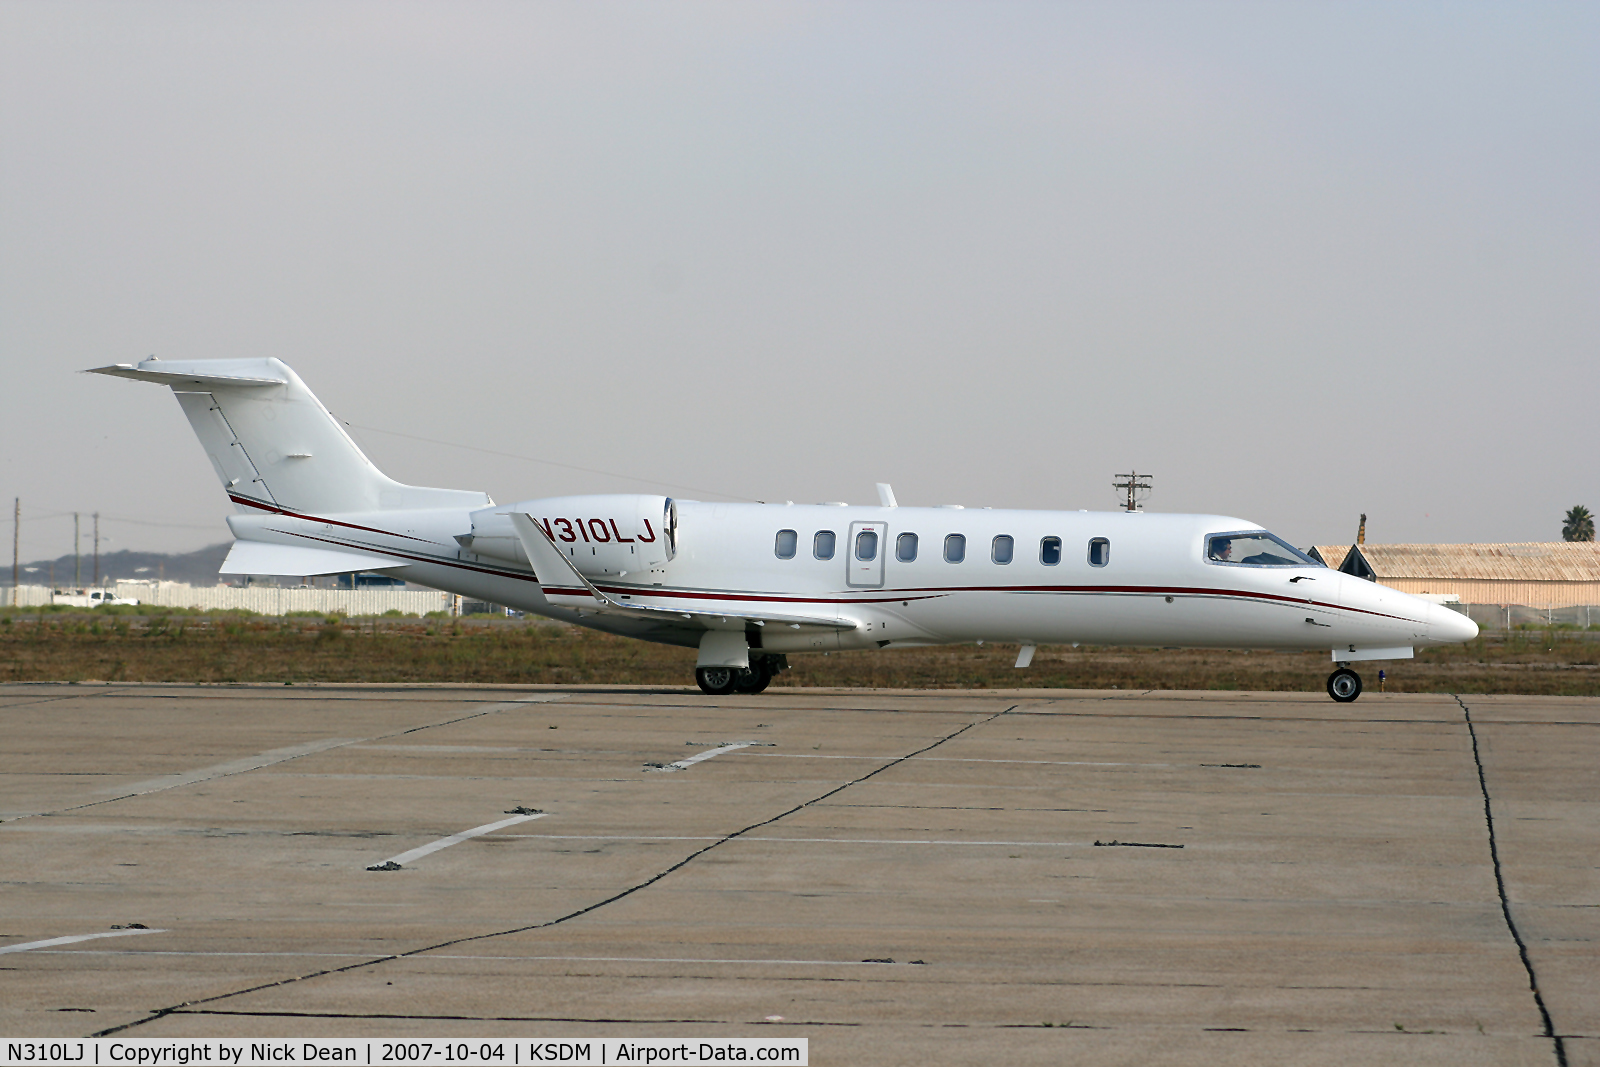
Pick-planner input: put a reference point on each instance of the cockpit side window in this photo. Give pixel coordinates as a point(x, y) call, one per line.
point(1099, 551)
point(1255, 548)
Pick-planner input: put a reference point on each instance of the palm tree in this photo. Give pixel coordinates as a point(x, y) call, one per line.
point(1579, 525)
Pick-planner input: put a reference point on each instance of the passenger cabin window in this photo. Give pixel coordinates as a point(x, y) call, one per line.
point(955, 548)
point(867, 545)
point(786, 544)
point(905, 547)
point(1099, 552)
point(1002, 549)
point(822, 544)
point(1050, 551)
point(1255, 548)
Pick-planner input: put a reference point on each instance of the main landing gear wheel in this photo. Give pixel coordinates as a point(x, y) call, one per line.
point(718, 681)
point(754, 678)
point(1344, 685)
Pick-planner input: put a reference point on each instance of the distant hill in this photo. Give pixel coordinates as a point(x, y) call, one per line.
point(197, 568)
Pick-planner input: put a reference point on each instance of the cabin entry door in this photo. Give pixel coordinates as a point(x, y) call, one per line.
point(864, 554)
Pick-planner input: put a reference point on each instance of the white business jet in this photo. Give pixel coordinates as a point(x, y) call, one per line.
point(747, 584)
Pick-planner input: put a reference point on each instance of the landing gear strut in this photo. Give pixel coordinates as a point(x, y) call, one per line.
point(1344, 685)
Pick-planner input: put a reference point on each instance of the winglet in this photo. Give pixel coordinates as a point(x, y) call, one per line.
point(555, 572)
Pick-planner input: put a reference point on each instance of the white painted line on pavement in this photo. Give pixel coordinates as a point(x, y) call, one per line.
point(114, 793)
point(750, 839)
point(233, 766)
point(685, 764)
point(282, 755)
point(455, 839)
point(54, 941)
point(963, 759)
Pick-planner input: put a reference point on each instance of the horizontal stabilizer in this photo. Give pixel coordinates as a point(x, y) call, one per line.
point(258, 557)
point(180, 379)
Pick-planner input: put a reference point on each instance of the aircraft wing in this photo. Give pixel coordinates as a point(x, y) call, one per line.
point(565, 586)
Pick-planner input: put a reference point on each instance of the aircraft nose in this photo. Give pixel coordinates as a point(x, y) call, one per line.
point(1449, 626)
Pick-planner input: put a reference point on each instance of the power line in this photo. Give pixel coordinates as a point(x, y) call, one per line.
point(120, 518)
point(547, 462)
point(173, 525)
point(410, 437)
point(17, 520)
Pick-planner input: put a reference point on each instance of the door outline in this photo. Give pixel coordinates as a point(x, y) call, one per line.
point(865, 574)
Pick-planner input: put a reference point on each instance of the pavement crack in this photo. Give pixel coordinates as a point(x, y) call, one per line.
point(67, 696)
point(191, 1006)
point(1505, 901)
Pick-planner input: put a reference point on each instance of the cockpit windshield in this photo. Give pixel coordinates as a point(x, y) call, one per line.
point(1255, 548)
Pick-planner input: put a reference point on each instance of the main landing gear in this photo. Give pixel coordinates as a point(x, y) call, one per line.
point(1344, 685)
point(719, 681)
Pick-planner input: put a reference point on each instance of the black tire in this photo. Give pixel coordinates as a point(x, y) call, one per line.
point(1344, 685)
point(718, 681)
point(753, 679)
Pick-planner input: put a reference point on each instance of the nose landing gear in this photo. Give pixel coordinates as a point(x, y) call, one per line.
point(1344, 685)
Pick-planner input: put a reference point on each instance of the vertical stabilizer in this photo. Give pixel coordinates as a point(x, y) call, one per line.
point(274, 445)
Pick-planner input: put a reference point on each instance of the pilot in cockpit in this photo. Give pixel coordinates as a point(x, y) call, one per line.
point(1260, 550)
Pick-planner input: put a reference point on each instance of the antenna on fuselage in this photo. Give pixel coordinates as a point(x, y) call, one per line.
point(1134, 487)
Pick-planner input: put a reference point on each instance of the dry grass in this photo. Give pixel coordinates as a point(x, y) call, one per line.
point(220, 648)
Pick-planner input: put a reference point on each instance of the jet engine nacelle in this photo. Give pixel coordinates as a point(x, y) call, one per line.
point(604, 536)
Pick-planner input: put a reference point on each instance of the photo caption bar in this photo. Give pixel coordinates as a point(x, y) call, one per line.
point(376, 1052)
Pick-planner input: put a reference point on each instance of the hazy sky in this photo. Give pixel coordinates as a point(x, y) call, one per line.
point(1298, 260)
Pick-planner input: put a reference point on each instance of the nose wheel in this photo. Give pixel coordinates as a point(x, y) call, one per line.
point(1344, 685)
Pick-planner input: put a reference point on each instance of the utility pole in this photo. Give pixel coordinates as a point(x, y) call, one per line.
point(1132, 485)
point(97, 548)
point(77, 557)
point(16, 536)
